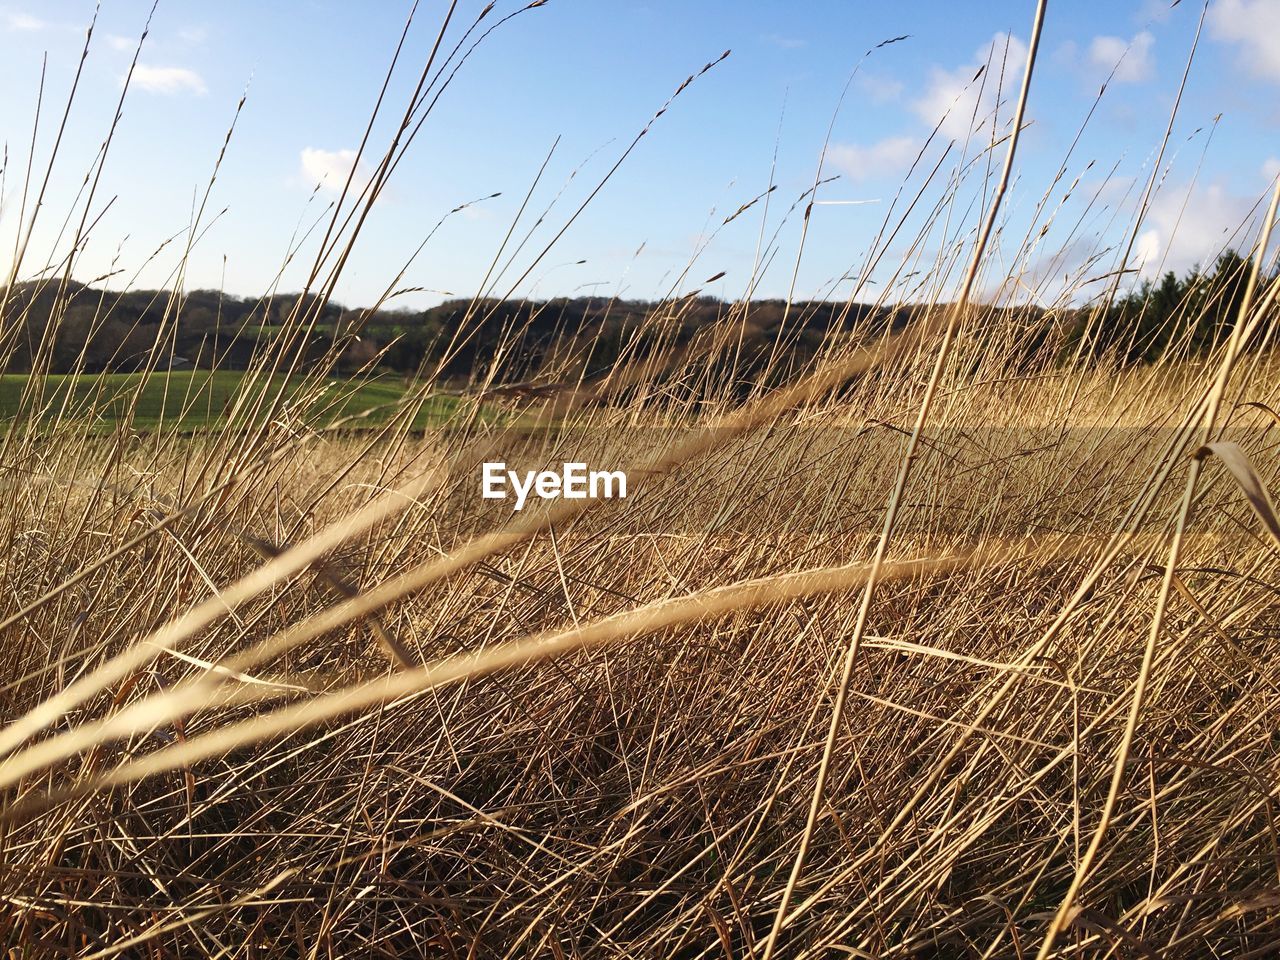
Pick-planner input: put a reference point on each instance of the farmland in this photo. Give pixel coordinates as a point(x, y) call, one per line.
point(189, 400)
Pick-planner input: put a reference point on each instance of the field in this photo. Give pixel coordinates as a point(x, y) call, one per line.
point(958, 640)
point(189, 400)
point(607, 730)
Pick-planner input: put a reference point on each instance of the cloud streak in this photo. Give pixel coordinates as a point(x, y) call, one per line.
point(168, 81)
point(889, 157)
point(23, 22)
point(785, 43)
point(1132, 59)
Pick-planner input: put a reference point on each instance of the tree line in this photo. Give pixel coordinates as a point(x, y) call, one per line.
point(88, 329)
point(1180, 316)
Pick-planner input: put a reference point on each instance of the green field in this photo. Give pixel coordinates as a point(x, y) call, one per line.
point(200, 399)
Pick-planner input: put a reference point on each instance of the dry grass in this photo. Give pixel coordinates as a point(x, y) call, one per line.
point(946, 647)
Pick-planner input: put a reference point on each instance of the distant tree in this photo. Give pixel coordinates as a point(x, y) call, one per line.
point(1189, 315)
point(1219, 298)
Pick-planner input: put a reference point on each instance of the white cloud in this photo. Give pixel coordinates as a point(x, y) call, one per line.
point(1189, 226)
point(117, 42)
point(891, 157)
point(24, 22)
point(330, 168)
point(1146, 252)
point(168, 80)
point(953, 96)
point(1255, 25)
point(1271, 169)
point(1132, 60)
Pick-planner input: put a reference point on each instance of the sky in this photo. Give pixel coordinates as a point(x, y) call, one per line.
point(585, 76)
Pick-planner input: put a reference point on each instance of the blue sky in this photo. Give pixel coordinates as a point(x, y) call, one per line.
point(592, 72)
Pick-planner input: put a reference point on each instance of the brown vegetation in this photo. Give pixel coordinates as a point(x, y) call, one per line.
point(941, 644)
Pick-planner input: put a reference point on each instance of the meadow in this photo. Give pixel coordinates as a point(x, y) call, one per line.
point(958, 642)
point(197, 400)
